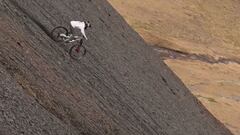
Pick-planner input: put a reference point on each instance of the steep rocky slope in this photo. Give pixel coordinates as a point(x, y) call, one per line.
point(120, 87)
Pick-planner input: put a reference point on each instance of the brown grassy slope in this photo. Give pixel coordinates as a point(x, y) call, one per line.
point(201, 27)
point(212, 25)
point(216, 86)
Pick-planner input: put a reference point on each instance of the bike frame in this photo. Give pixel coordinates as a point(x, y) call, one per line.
point(71, 38)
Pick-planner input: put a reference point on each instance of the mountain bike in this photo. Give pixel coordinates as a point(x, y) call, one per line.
point(62, 34)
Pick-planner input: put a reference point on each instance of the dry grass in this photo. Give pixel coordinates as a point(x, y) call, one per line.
point(212, 25)
point(216, 86)
point(196, 26)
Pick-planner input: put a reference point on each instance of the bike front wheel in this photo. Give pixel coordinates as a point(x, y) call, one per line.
point(77, 52)
point(55, 33)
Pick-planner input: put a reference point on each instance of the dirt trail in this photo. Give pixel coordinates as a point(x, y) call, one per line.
point(168, 53)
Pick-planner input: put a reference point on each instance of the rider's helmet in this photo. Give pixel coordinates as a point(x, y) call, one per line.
point(87, 24)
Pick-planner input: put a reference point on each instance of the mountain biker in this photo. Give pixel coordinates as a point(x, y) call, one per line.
point(82, 26)
point(62, 34)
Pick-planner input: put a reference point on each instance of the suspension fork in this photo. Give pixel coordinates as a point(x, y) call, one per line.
point(79, 45)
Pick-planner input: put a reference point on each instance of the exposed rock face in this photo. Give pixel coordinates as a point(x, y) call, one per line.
point(120, 87)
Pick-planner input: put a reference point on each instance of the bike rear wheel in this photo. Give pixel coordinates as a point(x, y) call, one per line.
point(55, 33)
point(77, 52)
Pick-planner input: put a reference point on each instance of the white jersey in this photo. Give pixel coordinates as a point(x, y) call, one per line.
point(79, 25)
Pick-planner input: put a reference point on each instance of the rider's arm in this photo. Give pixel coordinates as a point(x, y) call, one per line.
point(83, 32)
